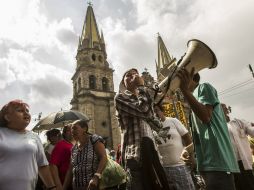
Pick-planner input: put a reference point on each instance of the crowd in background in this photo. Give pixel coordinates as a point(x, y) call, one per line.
point(156, 152)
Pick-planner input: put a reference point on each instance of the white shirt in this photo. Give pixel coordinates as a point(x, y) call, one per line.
point(238, 131)
point(171, 145)
point(49, 148)
point(20, 156)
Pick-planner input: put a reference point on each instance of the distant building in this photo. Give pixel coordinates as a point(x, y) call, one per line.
point(174, 104)
point(93, 88)
point(148, 79)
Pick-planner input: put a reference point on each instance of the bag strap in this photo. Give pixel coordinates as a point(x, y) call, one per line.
point(169, 81)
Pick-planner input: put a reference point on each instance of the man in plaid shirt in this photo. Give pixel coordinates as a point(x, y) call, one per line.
point(135, 115)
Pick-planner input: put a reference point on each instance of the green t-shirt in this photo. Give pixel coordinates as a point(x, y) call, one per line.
point(212, 142)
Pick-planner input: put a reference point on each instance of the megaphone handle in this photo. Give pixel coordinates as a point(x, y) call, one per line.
point(180, 60)
point(168, 84)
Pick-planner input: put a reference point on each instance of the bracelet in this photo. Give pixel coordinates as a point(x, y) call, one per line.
point(53, 187)
point(98, 175)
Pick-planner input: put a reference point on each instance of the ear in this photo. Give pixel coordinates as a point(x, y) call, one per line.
point(6, 117)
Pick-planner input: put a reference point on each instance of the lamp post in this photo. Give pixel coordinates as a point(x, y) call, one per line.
point(251, 70)
point(38, 119)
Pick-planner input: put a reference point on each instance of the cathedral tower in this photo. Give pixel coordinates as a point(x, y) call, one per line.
point(93, 88)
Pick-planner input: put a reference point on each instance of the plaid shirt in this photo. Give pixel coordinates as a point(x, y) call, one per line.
point(132, 113)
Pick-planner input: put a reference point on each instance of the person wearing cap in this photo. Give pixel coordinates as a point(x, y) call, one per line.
point(21, 152)
point(216, 160)
point(134, 106)
point(60, 157)
point(239, 130)
point(88, 158)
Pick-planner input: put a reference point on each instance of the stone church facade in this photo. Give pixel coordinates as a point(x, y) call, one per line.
point(93, 87)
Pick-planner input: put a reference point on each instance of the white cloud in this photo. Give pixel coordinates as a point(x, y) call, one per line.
point(20, 65)
point(38, 43)
point(37, 56)
point(226, 26)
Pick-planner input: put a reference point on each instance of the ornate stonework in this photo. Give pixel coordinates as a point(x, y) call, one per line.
point(93, 87)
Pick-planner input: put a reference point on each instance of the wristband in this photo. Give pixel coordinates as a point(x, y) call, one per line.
point(97, 175)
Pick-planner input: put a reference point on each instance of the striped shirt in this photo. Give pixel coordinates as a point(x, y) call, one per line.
point(132, 113)
point(85, 163)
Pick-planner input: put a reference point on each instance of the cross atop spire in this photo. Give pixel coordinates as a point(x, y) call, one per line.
point(90, 3)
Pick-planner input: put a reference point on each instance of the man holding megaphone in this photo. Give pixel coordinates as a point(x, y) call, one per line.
point(134, 105)
point(216, 161)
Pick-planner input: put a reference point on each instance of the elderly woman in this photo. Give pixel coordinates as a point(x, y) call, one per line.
point(88, 159)
point(21, 153)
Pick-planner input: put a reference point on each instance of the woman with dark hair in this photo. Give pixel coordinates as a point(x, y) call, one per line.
point(88, 158)
point(53, 137)
point(21, 153)
point(60, 157)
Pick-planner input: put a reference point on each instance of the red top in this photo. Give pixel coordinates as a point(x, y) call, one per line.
point(61, 157)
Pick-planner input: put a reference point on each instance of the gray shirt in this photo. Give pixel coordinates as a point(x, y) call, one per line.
point(20, 156)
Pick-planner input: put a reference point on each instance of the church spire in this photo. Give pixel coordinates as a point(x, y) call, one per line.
point(102, 38)
point(164, 57)
point(165, 60)
point(90, 34)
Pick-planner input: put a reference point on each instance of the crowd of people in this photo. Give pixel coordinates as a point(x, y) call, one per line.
point(157, 152)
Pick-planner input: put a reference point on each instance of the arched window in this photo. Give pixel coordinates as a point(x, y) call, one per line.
point(104, 84)
point(75, 88)
point(93, 57)
point(92, 82)
point(79, 83)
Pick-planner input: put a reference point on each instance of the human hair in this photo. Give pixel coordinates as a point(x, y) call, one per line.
point(223, 105)
point(65, 129)
point(224, 108)
point(5, 109)
point(53, 133)
point(196, 78)
point(132, 69)
point(82, 123)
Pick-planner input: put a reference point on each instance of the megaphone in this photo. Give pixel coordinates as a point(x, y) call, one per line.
point(198, 56)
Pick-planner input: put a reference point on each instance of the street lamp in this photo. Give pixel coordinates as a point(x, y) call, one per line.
point(39, 117)
point(251, 70)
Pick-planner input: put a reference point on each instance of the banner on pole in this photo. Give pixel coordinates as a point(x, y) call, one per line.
point(170, 111)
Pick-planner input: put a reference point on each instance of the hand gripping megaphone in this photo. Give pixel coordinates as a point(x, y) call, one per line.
point(198, 56)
